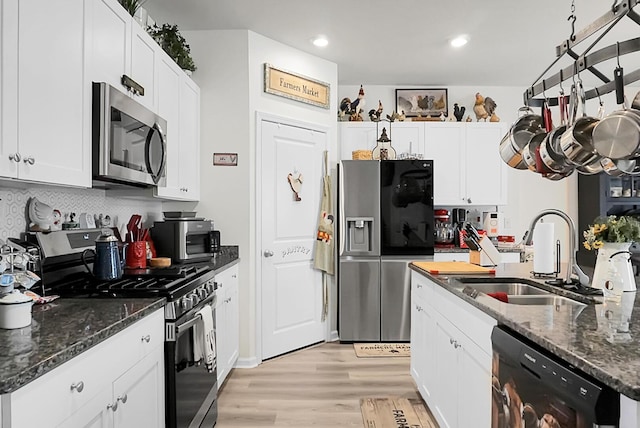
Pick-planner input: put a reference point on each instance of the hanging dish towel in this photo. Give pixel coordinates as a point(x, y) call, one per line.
point(325, 243)
point(324, 257)
point(204, 339)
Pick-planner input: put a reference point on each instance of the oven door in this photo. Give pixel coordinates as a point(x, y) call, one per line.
point(192, 390)
point(129, 140)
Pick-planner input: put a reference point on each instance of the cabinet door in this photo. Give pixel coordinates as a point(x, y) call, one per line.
point(233, 317)
point(139, 393)
point(474, 386)
point(109, 29)
point(406, 137)
point(143, 65)
point(446, 374)
point(444, 143)
point(169, 110)
point(222, 334)
point(486, 182)
point(54, 97)
point(356, 136)
point(189, 139)
point(423, 347)
point(94, 414)
point(8, 88)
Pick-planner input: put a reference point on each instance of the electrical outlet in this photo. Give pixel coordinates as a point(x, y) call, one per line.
point(507, 223)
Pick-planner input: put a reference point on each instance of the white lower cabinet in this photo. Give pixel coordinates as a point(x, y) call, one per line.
point(227, 322)
point(117, 383)
point(450, 355)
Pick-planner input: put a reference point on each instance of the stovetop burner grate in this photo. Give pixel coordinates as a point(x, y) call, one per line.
point(135, 283)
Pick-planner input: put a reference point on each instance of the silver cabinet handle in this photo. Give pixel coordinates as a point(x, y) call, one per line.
point(268, 253)
point(456, 344)
point(451, 341)
point(418, 285)
point(30, 160)
point(234, 276)
point(113, 407)
point(469, 200)
point(146, 338)
point(122, 398)
point(77, 386)
point(15, 157)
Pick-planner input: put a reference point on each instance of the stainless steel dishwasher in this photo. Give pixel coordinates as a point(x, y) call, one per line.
point(533, 388)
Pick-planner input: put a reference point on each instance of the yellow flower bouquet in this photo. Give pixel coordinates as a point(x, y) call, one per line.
point(611, 229)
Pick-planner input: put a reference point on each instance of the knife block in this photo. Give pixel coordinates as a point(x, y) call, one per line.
point(488, 254)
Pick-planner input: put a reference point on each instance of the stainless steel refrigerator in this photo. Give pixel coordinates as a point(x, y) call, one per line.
point(385, 211)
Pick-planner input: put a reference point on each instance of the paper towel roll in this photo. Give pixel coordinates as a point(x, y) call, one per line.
point(543, 248)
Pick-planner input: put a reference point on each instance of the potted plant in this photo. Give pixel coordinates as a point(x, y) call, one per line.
point(132, 6)
point(172, 42)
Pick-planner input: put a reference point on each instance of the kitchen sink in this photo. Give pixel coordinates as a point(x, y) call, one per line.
point(519, 291)
point(511, 286)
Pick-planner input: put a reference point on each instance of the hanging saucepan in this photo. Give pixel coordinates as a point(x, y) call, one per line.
point(514, 141)
point(617, 136)
point(576, 142)
point(552, 156)
point(529, 152)
point(617, 168)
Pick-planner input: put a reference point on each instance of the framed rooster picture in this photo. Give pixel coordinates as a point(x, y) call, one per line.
point(422, 102)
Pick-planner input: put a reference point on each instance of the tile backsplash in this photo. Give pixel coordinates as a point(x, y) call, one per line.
point(13, 201)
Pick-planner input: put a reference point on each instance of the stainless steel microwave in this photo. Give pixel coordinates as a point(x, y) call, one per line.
point(129, 140)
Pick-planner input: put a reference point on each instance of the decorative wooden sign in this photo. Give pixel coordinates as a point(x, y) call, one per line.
point(226, 159)
point(296, 87)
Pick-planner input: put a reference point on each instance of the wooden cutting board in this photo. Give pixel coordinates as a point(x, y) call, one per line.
point(450, 268)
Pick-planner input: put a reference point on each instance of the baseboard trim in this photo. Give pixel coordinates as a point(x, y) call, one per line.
point(246, 363)
point(334, 336)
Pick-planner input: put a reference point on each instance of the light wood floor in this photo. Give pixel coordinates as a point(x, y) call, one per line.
point(320, 386)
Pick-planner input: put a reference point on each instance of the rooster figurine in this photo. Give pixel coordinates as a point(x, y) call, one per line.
point(458, 112)
point(484, 108)
point(296, 185)
point(374, 115)
point(353, 108)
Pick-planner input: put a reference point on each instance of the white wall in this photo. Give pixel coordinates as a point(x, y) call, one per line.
point(231, 78)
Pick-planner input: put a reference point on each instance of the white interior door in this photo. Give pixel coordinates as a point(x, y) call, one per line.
point(291, 289)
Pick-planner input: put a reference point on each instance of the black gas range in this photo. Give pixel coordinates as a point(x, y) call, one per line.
point(189, 289)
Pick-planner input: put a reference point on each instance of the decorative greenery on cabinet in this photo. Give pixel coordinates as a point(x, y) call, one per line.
point(131, 6)
point(169, 38)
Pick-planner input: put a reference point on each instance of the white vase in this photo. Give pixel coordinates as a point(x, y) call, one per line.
point(613, 272)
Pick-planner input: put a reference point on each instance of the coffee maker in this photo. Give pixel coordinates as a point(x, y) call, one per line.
point(444, 231)
point(458, 219)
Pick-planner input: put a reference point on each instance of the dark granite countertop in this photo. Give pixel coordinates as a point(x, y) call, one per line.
point(61, 330)
point(587, 337)
point(66, 327)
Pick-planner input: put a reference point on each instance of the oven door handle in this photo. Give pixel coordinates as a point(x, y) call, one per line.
point(182, 328)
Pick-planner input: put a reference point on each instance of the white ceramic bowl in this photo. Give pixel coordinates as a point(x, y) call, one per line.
point(15, 310)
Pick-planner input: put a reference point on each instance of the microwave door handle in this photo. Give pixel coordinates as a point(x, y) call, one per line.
point(156, 175)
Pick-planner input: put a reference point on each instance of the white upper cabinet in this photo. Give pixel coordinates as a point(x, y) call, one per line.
point(179, 105)
point(109, 36)
point(121, 47)
point(46, 96)
point(467, 165)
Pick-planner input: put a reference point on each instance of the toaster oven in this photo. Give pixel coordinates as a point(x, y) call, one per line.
point(185, 240)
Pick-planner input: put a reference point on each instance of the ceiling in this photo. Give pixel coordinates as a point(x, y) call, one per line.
point(511, 43)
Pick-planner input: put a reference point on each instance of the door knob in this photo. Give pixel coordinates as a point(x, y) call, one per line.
point(268, 253)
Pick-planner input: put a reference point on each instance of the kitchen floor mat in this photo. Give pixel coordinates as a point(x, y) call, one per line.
point(394, 412)
point(368, 350)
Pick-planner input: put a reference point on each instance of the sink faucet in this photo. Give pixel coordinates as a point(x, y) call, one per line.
point(573, 245)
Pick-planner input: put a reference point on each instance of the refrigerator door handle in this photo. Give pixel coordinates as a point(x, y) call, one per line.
point(343, 223)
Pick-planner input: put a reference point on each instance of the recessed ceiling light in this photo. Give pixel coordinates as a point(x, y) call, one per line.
point(459, 41)
point(320, 41)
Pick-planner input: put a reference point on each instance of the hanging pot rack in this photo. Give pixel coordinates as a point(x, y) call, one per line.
point(587, 61)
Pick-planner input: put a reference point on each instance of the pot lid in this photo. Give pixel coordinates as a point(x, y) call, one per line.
point(14, 298)
point(106, 238)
